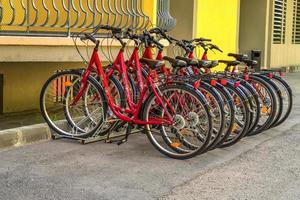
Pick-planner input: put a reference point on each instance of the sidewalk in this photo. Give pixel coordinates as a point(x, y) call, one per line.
point(265, 166)
point(18, 129)
point(15, 120)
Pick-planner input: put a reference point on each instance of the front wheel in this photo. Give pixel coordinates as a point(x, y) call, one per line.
point(72, 120)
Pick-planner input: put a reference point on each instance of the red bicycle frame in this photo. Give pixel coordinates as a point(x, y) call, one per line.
point(133, 110)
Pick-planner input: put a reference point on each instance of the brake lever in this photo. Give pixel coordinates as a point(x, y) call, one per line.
point(89, 37)
point(216, 48)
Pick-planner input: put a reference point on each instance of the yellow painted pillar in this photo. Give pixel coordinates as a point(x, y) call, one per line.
point(150, 8)
point(219, 21)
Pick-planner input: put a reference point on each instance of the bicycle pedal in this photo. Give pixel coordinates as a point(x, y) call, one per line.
point(121, 142)
point(109, 141)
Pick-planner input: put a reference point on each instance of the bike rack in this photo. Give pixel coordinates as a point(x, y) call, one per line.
point(95, 138)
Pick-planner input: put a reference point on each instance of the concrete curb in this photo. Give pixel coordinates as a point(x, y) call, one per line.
point(24, 135)
point(290, 69)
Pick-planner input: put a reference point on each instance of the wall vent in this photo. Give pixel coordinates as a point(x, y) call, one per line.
point(296, 23)
point(279, 26)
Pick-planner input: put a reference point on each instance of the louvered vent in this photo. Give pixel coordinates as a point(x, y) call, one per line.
point(296, 23)
point(279, 21)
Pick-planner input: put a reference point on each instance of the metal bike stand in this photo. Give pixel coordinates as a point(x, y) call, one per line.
point(93, 139)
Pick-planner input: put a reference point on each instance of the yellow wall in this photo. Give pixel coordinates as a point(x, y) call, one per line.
point(218, 20)
point(150, 9)
point(38, 58)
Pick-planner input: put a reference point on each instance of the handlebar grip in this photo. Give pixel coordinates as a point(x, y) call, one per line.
point(154, 30)
point(202, 40)
point(89, 37)
point(213, 46)
point(111, 28)
point(162, 33)
point(182, 45)
point(220, 50)
point(159, 45)
point(108, 27)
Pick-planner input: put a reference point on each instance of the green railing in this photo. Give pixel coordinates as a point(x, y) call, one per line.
point(64, 17)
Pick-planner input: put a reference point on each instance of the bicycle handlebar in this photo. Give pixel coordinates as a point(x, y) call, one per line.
point(216, 48)
point(201, 40)
point(108, 28)
point(209, 46)
point(161, 32)
point(90, 36)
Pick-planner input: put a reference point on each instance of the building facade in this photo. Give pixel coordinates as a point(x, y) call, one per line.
point(273, 28)
point(35, 35)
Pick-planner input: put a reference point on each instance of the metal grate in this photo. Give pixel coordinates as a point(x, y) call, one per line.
point(164, 18)
point(279, 26)
point(64, 17)
point(296, 23)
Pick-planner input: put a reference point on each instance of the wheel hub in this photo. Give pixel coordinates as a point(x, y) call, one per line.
point(179, 122)
point(193, 118)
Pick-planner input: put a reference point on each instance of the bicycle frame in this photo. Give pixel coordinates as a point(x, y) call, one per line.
point(149, 55)
point(133, 109)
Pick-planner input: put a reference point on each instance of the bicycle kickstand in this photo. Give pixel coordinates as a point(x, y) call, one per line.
point(127, 133)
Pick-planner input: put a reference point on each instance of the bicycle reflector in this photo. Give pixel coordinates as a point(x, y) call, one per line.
point(223, 81)
point(197, 84)
point(264, 109)
point(270, 75)
point(68, 84)
point(237, 84)
point(213, 82)
point(246, 77)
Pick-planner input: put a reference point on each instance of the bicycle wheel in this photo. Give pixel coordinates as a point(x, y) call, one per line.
point(242, 114)
point(229, 112)
point(216, 108)
point(286, 96)
point(111, 120)
point(255, 108)
point(279, 100)
point(192, 125)
point(116, 124)
point(53, 104)
point(267, 99)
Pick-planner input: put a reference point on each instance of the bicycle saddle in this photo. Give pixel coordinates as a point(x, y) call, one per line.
point(207, 63)
point(230, 62)
point(189, 61)
point(250, 62)
point(153, 64)
point(239, 57)
point(175, 62)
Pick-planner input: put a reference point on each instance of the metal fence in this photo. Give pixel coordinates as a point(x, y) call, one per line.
point(64, 17)
point(164, 18)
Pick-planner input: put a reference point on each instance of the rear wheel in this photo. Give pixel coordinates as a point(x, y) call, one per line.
point(255, 108)
point(242, 115)
point(286, 96)
point(278, 99)
point(267, 100)
point(216, 108)
point(190, 132)
point(229, 112)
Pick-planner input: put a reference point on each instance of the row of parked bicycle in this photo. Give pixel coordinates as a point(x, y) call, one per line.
point(184, 108)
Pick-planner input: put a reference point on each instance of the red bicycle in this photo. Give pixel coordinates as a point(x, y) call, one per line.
point(159, 109)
